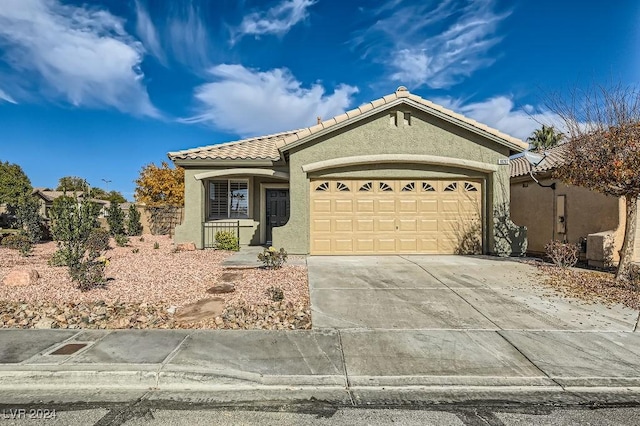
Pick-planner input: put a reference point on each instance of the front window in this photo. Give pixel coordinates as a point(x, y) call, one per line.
point(228, 199)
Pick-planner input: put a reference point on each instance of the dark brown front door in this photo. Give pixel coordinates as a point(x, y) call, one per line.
point(277, 209)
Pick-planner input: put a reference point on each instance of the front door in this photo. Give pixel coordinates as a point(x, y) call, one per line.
point(277, 209)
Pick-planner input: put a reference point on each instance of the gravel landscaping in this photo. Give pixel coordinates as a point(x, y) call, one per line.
point(590, 286)
point(145, 288)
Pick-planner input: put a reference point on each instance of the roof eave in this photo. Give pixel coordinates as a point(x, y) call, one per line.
point(225, 162)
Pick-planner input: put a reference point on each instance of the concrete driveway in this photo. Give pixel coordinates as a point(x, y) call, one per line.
point(447, 293)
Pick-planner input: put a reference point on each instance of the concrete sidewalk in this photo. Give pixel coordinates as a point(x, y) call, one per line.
point(340, 366)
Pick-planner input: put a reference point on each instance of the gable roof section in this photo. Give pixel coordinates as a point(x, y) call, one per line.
point(269, 147)
point(554, 158)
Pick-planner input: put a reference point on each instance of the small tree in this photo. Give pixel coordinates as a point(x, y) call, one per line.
point(158, 186)
point(73, 227)
point(115, 219)
point(72, 184)
point(603, 151)
point(28, 218)
point(134, 226)
point(545, 137)
point(14, 184)
point(71, 224)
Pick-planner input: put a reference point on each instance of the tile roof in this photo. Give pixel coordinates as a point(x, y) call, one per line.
point(554, 158)
point(268, 147)
point(257, 148)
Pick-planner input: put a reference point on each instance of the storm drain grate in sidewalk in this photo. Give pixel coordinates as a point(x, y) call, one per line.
point(69, 349)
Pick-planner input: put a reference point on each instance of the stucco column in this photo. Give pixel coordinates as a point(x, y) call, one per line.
point(194, 198)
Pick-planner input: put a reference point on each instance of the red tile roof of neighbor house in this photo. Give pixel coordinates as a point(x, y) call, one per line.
point(268, 147)
point(554, 158)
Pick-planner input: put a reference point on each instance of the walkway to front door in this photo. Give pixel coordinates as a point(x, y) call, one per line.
point(277, 209)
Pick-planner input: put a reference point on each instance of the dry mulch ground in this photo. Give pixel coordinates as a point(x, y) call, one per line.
point(144, 287)
point(591, 286)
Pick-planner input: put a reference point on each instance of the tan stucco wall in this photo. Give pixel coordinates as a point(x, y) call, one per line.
point(377, 135)
point(587, 212)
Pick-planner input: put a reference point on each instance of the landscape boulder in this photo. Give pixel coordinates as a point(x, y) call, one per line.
point(186, 247)
point(21, 277)
point(200, 310)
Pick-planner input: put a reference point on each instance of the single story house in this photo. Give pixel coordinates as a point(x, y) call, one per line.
point(557, 211)
point(46, 196)
point(398, 175)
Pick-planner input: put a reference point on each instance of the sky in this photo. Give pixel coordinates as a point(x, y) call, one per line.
point(100, 88)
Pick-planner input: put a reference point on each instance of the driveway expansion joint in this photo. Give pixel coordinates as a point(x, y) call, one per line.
point(530, 360)
point(346, 373)
point(452, 289)
point(637, 322)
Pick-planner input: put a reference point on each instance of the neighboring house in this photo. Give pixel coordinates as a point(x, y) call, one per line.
point(566, 213)
point(46, 197)
point(397, 175)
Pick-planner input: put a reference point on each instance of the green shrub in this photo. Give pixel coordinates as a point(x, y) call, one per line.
point(29, 220)
point(72, 226)
point(19, 242)
point(156, 245)
point(272, 258)
point(89, 273)
point(98, 240)
point(275, 294)
point(59, 258)
point(564, 255)
point(227, 240)
point(135, 250)
point(134, 226)
point(115, 219)
point(121, 240)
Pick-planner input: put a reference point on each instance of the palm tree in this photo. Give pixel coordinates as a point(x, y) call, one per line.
point(544, 138)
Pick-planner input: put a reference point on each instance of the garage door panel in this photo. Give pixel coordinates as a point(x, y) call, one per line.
point(428, 205)
point(365, 245)
point(364, 225)
point(408, 245)
point(321, 206)
point(407, 206)
point(408, 225)
point(321, 225)
point(343, 245)
point(321, 245)
point(428, 225)
point(393, 216)
point(365, 206)
point(385, 225)
point(386, 245)
point(343, 206)
point(385, 206)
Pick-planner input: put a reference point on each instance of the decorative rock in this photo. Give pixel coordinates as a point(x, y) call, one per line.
point(202, 309)
point(230, 276)
point(21, 277)
point(44, 323)
point(222, 288)
point(186, 247)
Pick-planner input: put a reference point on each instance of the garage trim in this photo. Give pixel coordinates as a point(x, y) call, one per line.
point(399, 158)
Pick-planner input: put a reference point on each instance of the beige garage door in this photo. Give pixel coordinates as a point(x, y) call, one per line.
point(395, 216)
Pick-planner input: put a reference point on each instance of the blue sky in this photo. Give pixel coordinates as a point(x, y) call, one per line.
point(98, 89)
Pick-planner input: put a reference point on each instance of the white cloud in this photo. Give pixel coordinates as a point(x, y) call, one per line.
point(278, 20)
point(77, 54)
point(423, 45)
point(4, 96)
point(501, 113)
point(183, 36)
point(147, 32)
point(249, 102)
